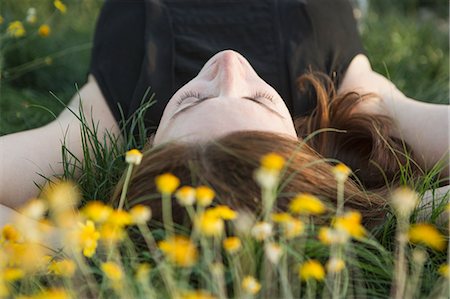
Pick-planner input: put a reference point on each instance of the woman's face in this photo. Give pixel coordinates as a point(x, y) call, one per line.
point(226, 96)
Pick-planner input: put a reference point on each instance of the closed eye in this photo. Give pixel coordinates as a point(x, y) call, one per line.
point(256, 97)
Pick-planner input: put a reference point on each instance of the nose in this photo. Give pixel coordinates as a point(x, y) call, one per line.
point(230, 72)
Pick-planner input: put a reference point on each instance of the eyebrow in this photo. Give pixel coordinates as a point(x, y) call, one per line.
point(207, 98)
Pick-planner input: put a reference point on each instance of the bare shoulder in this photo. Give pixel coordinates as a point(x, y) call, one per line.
point(360, 77)
point(94, 106)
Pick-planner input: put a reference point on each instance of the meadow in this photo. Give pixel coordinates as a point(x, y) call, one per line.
point(227, 253)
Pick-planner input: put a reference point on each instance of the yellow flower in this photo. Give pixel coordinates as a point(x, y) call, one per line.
point(16, 29)
point(1, 20)
point(60, 6)
point(112, 271)
point(49, 294)
point(251, 285)
point(44, 30)
point(232, 244)
point(262, 231)
point(179, 250)
point(443, 270)
point(273, 252)
point(330, 236)
point(223, 212)
point(167, 183)
point(204, 195)
point(142, 272)
point(10, 234)
point(185, 195)
point(404, 200)
point(305, 203)
point(111, 234)
point(96, 211)
point(12, 274)
point(311, 269)
point(210, 224)
point(198, 294)
point(335, 265)
point(28, 256)
point(119, 218)
point(281, 217)
point(350, 223)
point(62, 195)
point(293, 228)
point(426, 234)
point(140, 214)
point(64, 268)
point(4, 292)
point(341, 172)
point(134, 157)
point(86, 238)
point(272, 161)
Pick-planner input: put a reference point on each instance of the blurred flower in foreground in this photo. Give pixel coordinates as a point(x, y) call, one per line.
point(198, 294)
point(350, 223)
point(335, 265)
point(232, 244)
point(443, 270)
point(64, 268)
point(61, 195)
point(31, 15)
point(44, 30)
point(308, 204)
point(1, 20)
point(133, 156)
point(404, 200)
point(167, 183)
point(140, 214)
point(329, 236)
point(185, 196)
point(311, 269)
point(142, 272)
point(426, 234)
point(96, 211)
point(262, 230)
point(9, 234)
point(49, 294)
point(267, 175)
point(179, 250)
point(251, 285)
point(210, 224)
point(12, 274)
point(341, 172)
point(86, 237)
point(112, 271)
point(16, 29)
point(204, 195)
point(273, 252)
point(35, 209)
point(60, 6)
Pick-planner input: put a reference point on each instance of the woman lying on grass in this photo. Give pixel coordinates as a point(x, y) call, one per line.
point(320, 81)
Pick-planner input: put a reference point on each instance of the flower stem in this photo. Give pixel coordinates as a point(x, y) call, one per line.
point(125, 187)
point(167, 214)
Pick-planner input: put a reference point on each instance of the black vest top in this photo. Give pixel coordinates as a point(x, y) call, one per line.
point(162, 44)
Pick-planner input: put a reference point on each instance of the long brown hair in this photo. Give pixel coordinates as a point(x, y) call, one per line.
point(227, 164)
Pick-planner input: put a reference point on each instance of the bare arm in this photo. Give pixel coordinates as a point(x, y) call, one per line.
point(25, 155)
point(424, 126)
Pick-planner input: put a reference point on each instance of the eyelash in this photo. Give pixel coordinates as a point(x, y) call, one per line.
point(195, 94)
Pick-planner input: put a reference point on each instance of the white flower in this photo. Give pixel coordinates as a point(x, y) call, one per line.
point(273, 252)
point(404, 200)
point(261, 231)
point(267, 179)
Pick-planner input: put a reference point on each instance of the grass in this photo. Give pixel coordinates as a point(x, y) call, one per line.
point(412, 53)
